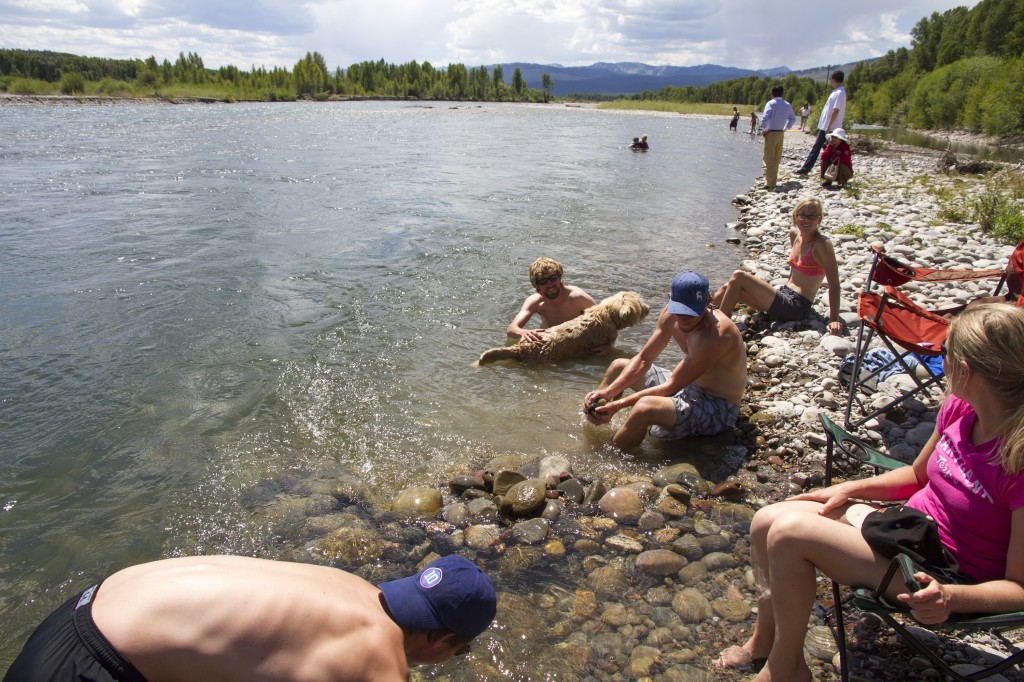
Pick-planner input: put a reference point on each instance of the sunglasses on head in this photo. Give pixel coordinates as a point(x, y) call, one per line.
point(541, 281)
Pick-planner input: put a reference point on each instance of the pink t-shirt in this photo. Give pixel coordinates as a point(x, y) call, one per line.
point(969, 495)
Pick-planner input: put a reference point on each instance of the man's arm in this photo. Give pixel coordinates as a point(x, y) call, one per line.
point(522, 317)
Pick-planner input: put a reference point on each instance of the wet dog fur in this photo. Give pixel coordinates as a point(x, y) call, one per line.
point(597, 326)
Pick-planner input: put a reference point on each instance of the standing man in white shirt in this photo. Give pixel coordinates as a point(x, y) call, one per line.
point(831, 118)
point(777, 118)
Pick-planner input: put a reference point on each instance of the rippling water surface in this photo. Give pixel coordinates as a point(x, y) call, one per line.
point(201, 299)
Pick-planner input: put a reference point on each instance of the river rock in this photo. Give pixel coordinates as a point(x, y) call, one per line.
point(351, 546)
point(552, 469)
point(609, 580)
point(691, 605)
point(505, 479)
point(572, 490)
point(670, 474)
point(531, 532)
point(417, 501)
point(622, 504)
point(461, 484)
point(660, 562)
point(523, 498)
point(481, 537)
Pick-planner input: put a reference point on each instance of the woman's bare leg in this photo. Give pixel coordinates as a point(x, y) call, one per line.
point(743, 287)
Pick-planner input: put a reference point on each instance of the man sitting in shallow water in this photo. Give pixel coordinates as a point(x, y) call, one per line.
point(555, 301)
point(700, 397)
point(233, 618)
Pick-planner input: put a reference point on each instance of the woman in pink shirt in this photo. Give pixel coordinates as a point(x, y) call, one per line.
point(969, 477)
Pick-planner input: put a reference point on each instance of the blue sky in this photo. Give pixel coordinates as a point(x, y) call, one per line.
point(746, 34)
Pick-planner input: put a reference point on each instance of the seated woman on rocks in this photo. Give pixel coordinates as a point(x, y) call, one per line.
point(969, 478)
point(811, 260)
point(837, 151)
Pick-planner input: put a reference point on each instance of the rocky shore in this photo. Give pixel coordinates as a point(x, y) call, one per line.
point(608, 576)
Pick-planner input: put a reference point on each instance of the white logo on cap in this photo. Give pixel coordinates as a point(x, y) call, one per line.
point(431, 577)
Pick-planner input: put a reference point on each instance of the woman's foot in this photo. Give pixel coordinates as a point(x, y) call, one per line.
point(738, 657)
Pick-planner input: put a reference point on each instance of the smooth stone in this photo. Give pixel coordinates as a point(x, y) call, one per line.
point(552, 468)
point(531, 532)
point(732, 609)
point(482, 509)
point(679, 493)
point(651, 520)
point(552, 510)
point(456, 514)
point(461, 484)
point(692, 606)
point(622, 504)
point(660, 562)
point(524, 498)
point(482, 537)
point(351, 546)
point(573, 490)
point(625, 544)
point(609, 580)
point(505, 479)
point(417, 501)
point(670, 474)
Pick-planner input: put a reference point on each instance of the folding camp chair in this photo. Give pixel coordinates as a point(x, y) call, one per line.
point(903, 327)
point(846, 450)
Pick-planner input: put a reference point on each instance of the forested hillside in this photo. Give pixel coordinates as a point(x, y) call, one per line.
point(41, 72)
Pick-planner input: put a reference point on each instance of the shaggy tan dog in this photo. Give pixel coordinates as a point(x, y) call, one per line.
point(599, 325)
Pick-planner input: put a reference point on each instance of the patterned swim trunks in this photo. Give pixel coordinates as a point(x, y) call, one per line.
point(697, 413)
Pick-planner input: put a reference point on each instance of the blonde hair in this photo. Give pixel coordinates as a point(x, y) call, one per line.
point(990, 338)
point(544, 266)
point(808, 201)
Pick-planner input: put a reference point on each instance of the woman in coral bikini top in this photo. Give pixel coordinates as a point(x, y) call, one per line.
point(811, 261)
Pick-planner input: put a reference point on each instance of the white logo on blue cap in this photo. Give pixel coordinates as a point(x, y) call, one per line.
point(431, 577)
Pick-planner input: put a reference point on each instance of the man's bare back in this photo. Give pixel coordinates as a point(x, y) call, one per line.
point(258, 620)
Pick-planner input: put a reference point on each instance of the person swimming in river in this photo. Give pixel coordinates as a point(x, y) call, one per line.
point(640, 143)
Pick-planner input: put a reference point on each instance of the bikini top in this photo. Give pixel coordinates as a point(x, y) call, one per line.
point(804, 262)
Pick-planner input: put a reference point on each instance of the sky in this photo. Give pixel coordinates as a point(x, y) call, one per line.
point(246, 33)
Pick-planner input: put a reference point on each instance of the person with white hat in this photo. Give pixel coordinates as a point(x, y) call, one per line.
point(837, 153)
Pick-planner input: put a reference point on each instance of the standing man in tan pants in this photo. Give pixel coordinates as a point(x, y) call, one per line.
point(778, 117)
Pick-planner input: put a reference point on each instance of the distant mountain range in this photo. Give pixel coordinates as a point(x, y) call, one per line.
point(628, 78)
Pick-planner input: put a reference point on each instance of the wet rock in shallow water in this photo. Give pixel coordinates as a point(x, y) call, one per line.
point(553, 469)
point(481, 537)
point(625, 543)
point(689, 547)
point(583, 605)
point(552, 510)
point(819, 645)
point(483, 509)
point(456, 514)
point(615, 614)
point(670, 474)
point(518, 558)
point(694, 483)
point(665, 536)
point(554, 548)
point(504, 480)
point(573, 490)
point(351, 546)
point(715, 543)
point(586, 546)
point(531, 532)
point(730, 490)
point(692, 573)
point(642, 660)
point(461, 484)
point(596, 491)
point(609, 580)
point(679, 493)
point(671, 508)
point(692, 606)
point(660, 562)
point(651, 520)
point(731, 609)
point(623, 505)
point(523, 498)
point(417, 501)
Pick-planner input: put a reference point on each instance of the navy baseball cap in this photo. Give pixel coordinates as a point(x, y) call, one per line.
point(689, 294)
point(451, 593)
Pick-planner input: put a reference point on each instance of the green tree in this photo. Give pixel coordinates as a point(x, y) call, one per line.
point(546, 85)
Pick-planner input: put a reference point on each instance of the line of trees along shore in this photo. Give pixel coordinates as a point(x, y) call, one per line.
point(965, 69)
point(36, 72)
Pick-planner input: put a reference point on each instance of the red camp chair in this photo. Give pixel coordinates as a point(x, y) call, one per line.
point(903, 327)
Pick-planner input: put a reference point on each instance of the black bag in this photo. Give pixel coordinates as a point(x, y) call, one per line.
point(905, 530)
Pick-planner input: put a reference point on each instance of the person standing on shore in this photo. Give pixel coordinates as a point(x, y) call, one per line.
point(555, 301)
point(235, 618)
point(777, 118)
point(831, 118)
point(700, 397)
point(805, 111)
point(812, 260)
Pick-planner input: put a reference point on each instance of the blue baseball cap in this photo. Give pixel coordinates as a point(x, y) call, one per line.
point(689, 294)
point(451, 593)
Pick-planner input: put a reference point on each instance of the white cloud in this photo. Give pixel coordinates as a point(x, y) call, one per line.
point(568, 32)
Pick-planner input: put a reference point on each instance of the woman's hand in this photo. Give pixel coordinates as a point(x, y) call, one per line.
point(597, 408)
point(930, 604)
point(831, 498)
point(835, 328)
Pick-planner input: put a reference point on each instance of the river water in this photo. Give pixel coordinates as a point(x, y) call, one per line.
point(199, 299)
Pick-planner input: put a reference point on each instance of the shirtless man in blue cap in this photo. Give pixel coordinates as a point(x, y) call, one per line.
point(238, 618)
point(700, 397)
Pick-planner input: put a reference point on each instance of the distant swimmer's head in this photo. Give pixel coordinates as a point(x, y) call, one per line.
point(450, 593)
point(644, 136)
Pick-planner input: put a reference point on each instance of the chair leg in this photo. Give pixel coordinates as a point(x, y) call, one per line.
point(840, 633)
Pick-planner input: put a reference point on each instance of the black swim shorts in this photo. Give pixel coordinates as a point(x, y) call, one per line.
point(789, 306)
point(69, 646)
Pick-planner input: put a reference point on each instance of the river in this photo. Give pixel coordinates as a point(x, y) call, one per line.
point(199, 299)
